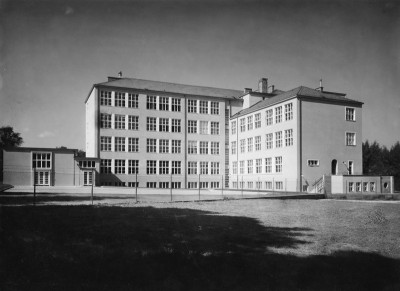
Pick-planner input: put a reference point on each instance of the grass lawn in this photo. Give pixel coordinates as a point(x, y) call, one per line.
point(223, 245)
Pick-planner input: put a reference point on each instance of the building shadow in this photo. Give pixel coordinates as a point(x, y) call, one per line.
point(146, 248)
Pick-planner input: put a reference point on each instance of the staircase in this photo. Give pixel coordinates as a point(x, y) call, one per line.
point(318, 186)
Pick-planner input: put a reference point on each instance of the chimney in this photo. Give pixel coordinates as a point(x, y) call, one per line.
point(320, 86)
point(247, 90)
point(120, 74)
point(263, 85)
point(272, 88)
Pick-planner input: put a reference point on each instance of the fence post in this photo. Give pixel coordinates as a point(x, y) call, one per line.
point(273, 186)
point(222, 186)
point(34, 186)
point(242, 186)
point(92, 186)
point(199, 187)
point(286, 186)
point(170, 187)
point(136, 187)
point(258, 186)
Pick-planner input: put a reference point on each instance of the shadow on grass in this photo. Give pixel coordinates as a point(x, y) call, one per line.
point(113, 248)
point(43, 199)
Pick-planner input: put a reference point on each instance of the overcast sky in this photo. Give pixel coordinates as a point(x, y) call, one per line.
point(52, 52)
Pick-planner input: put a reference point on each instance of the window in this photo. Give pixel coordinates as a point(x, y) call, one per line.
point(268, 165)
point(151, 102)
point(203, 127)
point(192, 185)
point(105, 98)
point(87, 164)
point(258, 185)
point(249, 185)
point(241, 184)
point(163, 167)
point(313, 163)
point(365, 186)
point(164, 125)
point(278, 164)
point(241, 167)
point(288, 137)
point(268, 117)
point(119, 144)
point(119, 184)
point(133, 144)
point(233, 147)
point(163, 146)
point(242, 125)
point(87, 178)
point(133, 122)
point(351, 168)
point(215, 148)
point(350, 139)
point(119, 166)
point(192, 168)
point(41, 160)
point(278, 114)
point(176, 146)
point(214, 168)
point(203, 107)
point(151, 124)
point(192, 126)
point(133, 184)
point(358, 186)
point(151, 184)
point(105, 166)
point(278, 139)
point(268, 185)
point(133, 167)
point(105, 120)
point(151, 168)
point(192, 147)
point(163, 103)
point(234, 168)
point(268, 141)
point(257, 140)
point(163, 185)
point(105, 143)
point(249, 166)
point(242, 145)
point(214, 127)
point(43, 177)
point(250, 144)
point(258, 166)
point(250, 122)
point(203, 185)
point(119, 121)
point(192, 106)
point(372, 186)
point(351, 186)
point(176, 125)
point(214, 185)
point(233, 127)
point(204, 148)
point(234, 185)
point(133, 101)
point(289, 111)
point(350, 114)
point(279, 185)
point(214, 108)
point(204, 168)
point(176, 168)
point(119, 99)
point(151, 145)
point(176, 185)
point(257, 120)
point(176, 105)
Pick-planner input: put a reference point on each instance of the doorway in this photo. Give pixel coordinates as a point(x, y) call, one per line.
point(334, 167)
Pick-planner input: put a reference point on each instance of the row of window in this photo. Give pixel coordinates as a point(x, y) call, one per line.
point(256, 166)
point(165, 185)
point(366, 187)
point(268, 185)
point(203, 127)
point(203, 147)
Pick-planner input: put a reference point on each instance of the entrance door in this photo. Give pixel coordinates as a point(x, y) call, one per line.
point(87, 178)
point(42, 178)
point(334, 167)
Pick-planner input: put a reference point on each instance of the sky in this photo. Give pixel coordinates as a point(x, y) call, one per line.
point(52, 52)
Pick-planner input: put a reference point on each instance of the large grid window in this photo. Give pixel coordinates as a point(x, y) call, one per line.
point(288, 137)
point(268, 165)
point(278, 114)
point(241, 167)
point(242, 146)
point(192, 126)
point(250, 122)
point(192, 168)
point(151, 167)
point(214, 168)
point(105, 166)
point(119, 99)
point(257, 143)
point(105, 120)
point(176, 105)
point(233, 127)
point(151, 124)
point(151, 102)
point(203, 107)
point(203, 127)
point(151, 184)
point(269, 117)
point(119, 166)
point(192, 106)
point(350, 114)
point(41, 160)
point(258, 166)
point(133, 144)
point(234, 168)
point(214, 108)
point(176, 168)
point(215, 148)
point(289, 111)
point(133, 100)
point(203, 168)
point(249, 166)
point(163, 103)
point(257, 120)
point(278, 139)
point(119, 144)
point(250, 144)
point(176, 146)
point(192, 147)
point(105, 143)
point(242, 125)
point(203, 185)
point(268, 141)
point(163, 146)
point(151, 145)
point(214, 128)
point(350, 139)
point(176, 125)
point(204, 148)
point(214, 185)
point(105, 98)
point(163, 185)
point(176, 185)
point(192, 185)
point(163, 167)
point(133, 122)
point(133, 167)
point(233, 147)
point(278, 164)
point(164, 125)
point(119, 121)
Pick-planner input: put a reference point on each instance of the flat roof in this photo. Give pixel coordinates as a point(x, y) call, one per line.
point(37, 149)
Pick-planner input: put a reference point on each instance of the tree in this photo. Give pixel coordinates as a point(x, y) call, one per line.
point(9, 138)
